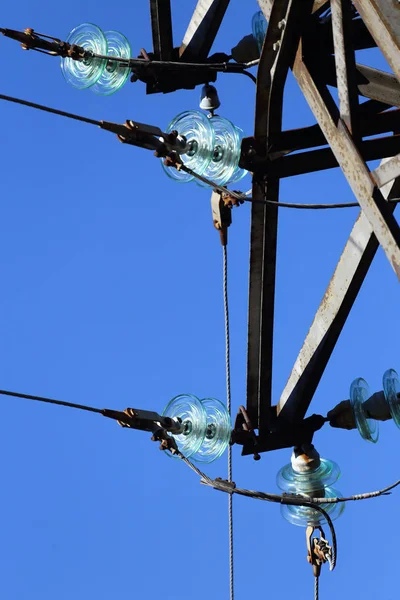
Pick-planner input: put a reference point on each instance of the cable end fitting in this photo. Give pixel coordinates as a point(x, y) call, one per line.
point(221, 215)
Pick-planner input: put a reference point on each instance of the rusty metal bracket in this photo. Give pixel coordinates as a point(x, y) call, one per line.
point(243, 432)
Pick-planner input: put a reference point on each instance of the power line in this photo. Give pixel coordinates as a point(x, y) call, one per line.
point(241, 197)
point(52, 401)
point(54, 111)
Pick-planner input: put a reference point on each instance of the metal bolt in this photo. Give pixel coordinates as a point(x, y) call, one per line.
point(282, 23)
point(276, 46)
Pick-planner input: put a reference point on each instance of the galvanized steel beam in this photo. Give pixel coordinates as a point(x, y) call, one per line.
point(324, 158)
point(331, 316)
point(345, 64)
point(263, 232)
point(312, 136)
point(387, 171)
point(354, 168)
point(372, 83)
point(375, 225)
point(382, 18)
point(202, 29)
point(284, 29)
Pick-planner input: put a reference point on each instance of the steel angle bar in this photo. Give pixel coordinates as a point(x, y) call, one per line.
point(331, 316)
point(263, 234)
point(266, 6)
point(354, 168)
point(312, 136)
point(161, 27)
point(324, 158)
point(387, 171)
point(372, 83)
point(345, 64)
point(286, 20)
point(382, 19)
point(378, 85)
point(203, 28)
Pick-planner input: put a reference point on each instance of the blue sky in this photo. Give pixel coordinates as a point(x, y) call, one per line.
point(112, 296)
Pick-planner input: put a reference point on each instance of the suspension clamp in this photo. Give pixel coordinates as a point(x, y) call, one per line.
point(221, 215)
point(318, 550)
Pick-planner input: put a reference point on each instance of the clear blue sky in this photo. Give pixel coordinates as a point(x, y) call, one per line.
point(112, 296)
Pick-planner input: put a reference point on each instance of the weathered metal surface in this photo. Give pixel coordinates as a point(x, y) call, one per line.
point(379, 85)
point(345, 63)
point(355, 170)
point(266, 6)
point(319, 160)
point(203, 28)
point(382, 18)
point(360, 36)
point(387, 171)
point(263, 232)
point(161, 27)
point(310, 137)
point(285, 24)
point(375, 224)
point(283, 435)
point(371, 83)
point(331, 316)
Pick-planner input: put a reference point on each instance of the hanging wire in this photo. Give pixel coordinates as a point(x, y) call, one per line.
point(231, 489)
point(244, 197)
point(316, 588)
point(229, 407)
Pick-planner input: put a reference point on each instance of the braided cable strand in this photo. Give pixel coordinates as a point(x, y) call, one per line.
point(316, 588)
point(229, 407)
point(204, 478)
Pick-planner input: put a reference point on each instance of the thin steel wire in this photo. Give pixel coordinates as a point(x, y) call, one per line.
point(316, 588)
point(244, 197)
point(207, 480)
point(229, 407)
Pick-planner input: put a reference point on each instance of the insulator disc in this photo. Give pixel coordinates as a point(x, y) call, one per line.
point(304, 515)
point(115, 74)
point(259, 28)
point(359, 393)
point(194, 126)
point(218, 431)
point(289, 480)
point(84, 74)
point(224, 165)
point(391, 389)
point(190, 411)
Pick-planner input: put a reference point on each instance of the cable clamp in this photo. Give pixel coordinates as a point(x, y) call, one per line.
point(318, 549)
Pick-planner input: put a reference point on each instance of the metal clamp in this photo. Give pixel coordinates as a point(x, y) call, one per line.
point(318, 550)
point(221, 215)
